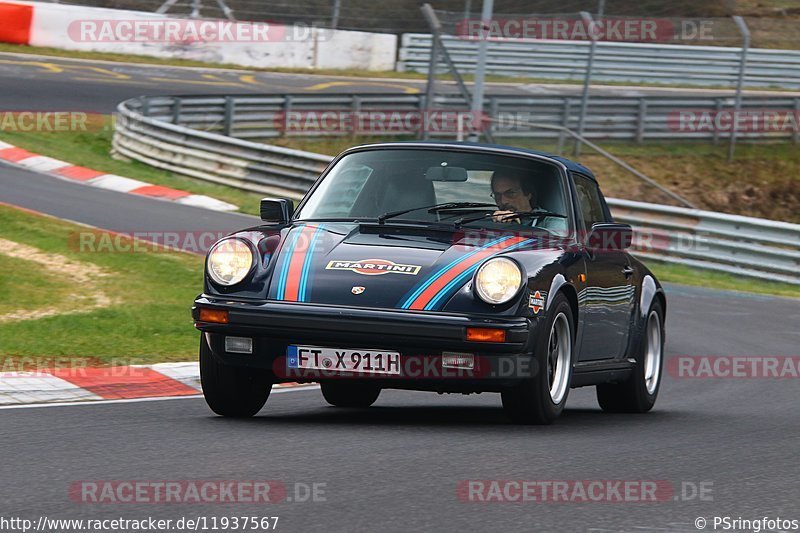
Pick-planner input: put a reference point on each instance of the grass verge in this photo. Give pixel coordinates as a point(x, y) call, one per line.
point(683, 275)
point(147, 322)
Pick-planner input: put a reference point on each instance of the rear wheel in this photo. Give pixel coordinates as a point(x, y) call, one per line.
point(229, 390)
point(541, 398)
point(638, 393)
point(343, 394)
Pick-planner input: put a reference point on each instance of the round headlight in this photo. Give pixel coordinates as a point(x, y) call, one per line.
point(498, 280)
point(229, 261)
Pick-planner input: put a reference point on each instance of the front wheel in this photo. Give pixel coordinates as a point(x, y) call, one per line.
point(229, 390)
point(638, 393)
point(541, 398)
point(345, 394)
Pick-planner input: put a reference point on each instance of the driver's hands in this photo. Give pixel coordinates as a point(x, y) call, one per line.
point(505, 217)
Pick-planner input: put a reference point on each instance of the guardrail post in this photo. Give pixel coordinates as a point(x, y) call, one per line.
point(287, 108)
point(355, 111)
point(176, 110)
point(796, 135)
point(145, 106)
point(227, 124)
point(640, 125)
point(494, 111)
point(562, 136)
point(423, 104)
point(718, 111)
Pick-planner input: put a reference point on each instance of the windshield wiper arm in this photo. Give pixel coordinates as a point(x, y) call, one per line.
point(433, 209)
point(536, 213)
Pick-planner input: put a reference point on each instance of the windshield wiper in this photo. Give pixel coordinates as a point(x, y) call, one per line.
point(536, 213)
point(433, 209)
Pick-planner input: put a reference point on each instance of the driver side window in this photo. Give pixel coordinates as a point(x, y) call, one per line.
point(591, 205)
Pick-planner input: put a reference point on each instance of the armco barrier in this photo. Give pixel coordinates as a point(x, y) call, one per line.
point(752, 247)
point(636, 118)
point(614, 61)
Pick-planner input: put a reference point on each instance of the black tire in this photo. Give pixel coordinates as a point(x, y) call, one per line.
point(232, 391)
point(353, 395)
point(531, 402)
point(632, 395)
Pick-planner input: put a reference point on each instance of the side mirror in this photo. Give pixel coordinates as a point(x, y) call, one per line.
point(608, 236)
point(276, 210)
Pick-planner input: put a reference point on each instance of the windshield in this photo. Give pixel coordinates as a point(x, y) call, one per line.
point(478, 189)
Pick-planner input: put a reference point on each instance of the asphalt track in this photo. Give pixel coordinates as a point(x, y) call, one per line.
point(41, 83)
point(396, 466)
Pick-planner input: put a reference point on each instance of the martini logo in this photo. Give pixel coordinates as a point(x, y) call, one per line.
point(374, 267)
point(536, 302)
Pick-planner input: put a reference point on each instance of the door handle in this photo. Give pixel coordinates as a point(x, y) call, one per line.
point(628, 271)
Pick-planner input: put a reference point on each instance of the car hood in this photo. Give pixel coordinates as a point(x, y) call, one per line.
point(389, 266)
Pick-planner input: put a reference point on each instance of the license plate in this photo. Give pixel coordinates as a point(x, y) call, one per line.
point(364, 361)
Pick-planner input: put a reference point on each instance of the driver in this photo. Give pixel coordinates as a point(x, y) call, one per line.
point(511, 194)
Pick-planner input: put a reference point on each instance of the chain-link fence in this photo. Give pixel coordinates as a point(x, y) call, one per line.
point(772, 23)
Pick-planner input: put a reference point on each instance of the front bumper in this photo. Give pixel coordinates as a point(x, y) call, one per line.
point(422, 335)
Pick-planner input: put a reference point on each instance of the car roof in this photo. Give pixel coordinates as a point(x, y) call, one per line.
point(570, 164)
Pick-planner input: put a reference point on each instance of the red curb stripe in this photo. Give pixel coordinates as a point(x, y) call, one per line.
point(160, 192)
point(124, 382)
point(15, 154)
point(75, 172)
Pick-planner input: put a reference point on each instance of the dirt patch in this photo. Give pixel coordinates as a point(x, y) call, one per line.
point(87, 295)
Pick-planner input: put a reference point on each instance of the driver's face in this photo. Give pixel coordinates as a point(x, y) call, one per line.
point(509, 196)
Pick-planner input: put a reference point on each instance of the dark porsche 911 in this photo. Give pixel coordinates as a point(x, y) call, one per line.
point(447, 267)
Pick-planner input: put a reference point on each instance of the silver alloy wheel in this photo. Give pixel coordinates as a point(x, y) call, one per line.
point(559, 358)
point(653, 352)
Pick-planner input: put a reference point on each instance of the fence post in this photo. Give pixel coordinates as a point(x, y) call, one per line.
point(640, 125)
point(227, 124)
point(590, 27)
point(739, 85)
point(176, 110)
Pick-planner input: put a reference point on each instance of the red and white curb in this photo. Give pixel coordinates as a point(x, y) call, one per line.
point(61, 169)
point(104, 383)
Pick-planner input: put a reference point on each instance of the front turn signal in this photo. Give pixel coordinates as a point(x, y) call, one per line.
point(216, 316)
point(486, 335)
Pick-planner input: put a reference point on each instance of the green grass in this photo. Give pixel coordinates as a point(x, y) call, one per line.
point(149, 321)
point(91, 148)
point(683, 275)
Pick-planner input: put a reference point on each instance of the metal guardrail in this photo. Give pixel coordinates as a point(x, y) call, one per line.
point(213, 157)
point(746, 246)
point(752, 247)
point(635, 118)
point(614, 61)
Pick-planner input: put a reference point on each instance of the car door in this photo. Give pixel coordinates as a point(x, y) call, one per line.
point(608, 292)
